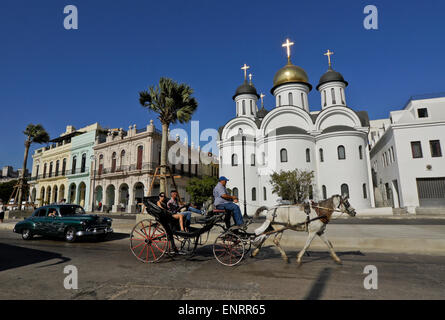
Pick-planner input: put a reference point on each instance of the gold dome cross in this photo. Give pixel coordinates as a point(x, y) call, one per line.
point(287, 45)
point(245, 67)
point(329, 54)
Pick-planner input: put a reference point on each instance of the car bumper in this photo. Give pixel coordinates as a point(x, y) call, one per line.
point(94, 232)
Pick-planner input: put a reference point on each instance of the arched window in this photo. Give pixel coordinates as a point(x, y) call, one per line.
point(244, 107)
point(57, 167)
point(324, 98)
point(253, 194)
point(251, 107)
point(291, 100)
point(333, 96)
point(113, 162)
point(264, 194)
point(283, 155)
point(235, 192)
point(84, 162)
point(308, 155)
point(324, 191)
point(139, 159)
point(50, 169)
point(279, 101)
point(122, 159)
point(44, 170)
point(234, 160)
point(341, 153)
point(344, 190)
point(73, 166)
point(365, 192)
point(321, 155)
point(101, 164)
point(264, 158)
point(37, 171)
point(360, 152)
point(302, 101)
point(252, 159)
point(237, 109)
point(342, 94)
point(63, 166)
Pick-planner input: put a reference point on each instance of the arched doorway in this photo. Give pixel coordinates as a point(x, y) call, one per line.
point(98, 197)
point(124, 196)
point(61, 192)
point(72, 193)
point(48, 195)
point(33, 195)
point(42, 196)
point(138, 191)
point(55, 194)
point(110, 196)
point(81, 191)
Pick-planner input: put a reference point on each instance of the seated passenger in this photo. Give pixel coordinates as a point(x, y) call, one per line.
point(161, 201)
point(52, 213)
point(174, 206)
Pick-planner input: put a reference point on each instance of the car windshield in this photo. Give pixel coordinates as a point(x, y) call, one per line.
point(70, 210)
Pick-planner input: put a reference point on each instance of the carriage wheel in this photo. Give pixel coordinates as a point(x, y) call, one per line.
point(185, 246)
point(148, 241)
point(228, 249)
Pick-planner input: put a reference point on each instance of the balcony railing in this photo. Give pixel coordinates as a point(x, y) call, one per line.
point(60, 174)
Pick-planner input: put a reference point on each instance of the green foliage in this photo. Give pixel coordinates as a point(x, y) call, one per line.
point(6, 190)
point(200, 190)
point(36, 133)
point(294, 185)
point(171, 100)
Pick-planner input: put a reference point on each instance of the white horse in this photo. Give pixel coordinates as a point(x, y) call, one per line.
point(295, 218)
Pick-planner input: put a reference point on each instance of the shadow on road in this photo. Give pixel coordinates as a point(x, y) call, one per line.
point(14, 256)
point(317, 288)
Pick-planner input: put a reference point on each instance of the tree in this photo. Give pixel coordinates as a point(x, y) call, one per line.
point(6, 189)
point(200, 190)
point(34, 134)
point(294, 185)
point(173, 102)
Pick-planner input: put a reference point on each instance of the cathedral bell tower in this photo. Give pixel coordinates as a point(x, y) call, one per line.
point(246, 97)
point(332, 87)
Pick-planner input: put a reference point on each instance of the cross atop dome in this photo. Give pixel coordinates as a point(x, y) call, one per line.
point(287, 45)
point(245, 67)
point(329, 54)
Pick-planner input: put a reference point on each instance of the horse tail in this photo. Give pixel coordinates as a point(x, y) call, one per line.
point(259, 210)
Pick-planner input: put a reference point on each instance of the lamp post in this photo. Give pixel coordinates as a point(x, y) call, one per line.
point(94, 182)
point(243, 139)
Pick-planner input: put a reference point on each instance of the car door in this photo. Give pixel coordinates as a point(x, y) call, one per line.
point(39, 220)
point(55, 223)
point(52, 221)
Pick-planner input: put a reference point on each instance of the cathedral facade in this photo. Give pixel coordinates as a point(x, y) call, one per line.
point(331, 142)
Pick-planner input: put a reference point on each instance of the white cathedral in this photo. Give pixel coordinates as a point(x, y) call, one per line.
point(333, 142)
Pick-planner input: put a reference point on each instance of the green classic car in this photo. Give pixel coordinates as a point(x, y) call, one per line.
point(64, 220)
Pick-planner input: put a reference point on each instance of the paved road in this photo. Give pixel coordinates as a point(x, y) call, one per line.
point(108, 270)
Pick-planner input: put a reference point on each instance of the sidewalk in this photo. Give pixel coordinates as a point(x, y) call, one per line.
point(410, 239)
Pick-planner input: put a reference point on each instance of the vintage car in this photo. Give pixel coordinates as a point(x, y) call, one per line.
point(64, 220)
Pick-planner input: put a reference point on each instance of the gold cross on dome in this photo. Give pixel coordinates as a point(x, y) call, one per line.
point(262, 97)
point(329, 54)
point(245, 67)
point(287, 44)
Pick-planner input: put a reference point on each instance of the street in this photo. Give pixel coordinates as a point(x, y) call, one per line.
point(108, 270)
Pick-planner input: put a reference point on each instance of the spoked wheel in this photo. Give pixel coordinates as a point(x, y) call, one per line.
point(148, 241)
point(185, 246)
point(228, 249)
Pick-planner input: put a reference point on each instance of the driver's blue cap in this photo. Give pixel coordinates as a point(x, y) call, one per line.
point(222, 178)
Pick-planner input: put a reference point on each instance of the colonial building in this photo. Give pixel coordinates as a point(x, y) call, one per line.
point(126, 162)
point(61, 171)
point(332, 143)
point(407, 155)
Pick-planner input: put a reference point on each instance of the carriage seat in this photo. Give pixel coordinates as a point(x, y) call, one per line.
point(219, 211)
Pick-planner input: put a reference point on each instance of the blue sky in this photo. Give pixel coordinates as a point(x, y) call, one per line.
point(57, 77)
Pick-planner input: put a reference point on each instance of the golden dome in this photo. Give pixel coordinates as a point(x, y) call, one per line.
point(290, 73)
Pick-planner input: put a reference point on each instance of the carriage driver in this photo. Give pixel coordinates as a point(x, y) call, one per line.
point(224, 201)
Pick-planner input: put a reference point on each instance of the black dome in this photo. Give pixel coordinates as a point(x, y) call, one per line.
point(330, 76)
point(245, 88)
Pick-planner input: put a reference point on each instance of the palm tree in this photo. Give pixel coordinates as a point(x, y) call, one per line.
point(173, 102)
point(34, 134)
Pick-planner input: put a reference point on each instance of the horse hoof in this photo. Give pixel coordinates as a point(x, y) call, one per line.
point(298, 263)
point(286, 260)
point(339, 262)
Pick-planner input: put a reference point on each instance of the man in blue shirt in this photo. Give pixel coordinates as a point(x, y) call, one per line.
point(227, 202)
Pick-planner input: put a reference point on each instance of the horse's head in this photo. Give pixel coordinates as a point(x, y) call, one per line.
point(342, 204)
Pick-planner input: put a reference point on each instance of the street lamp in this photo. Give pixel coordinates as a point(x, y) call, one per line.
point(94, 182)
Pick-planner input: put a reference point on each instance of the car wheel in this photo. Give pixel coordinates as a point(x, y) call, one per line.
point(26, 234)
point(70, 235)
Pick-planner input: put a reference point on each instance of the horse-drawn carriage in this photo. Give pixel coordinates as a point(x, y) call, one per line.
point(153, 239)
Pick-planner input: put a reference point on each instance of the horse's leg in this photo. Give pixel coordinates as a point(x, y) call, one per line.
point(276, 241)
point(255, 252)
point(309, 239)
point(330, 247)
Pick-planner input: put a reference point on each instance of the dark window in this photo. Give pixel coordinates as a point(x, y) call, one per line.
point(283, 155)
point(234, 160)
point(44, 170)
point(139, 158)
point(253, 194)
point(264, 193)
point(291, 101)
point(416, 149)
point(325, 194)
point(324, 98)
point(235, 192)
point(57, 167)
point(422, 113)
point(252, 159)
point(360, 152)
point(333, 96)
point(365, 192)
point(436, 151)
point(84, 162)
point(50, 169)
point(344, 190)
point(308, 155)
point(37, 171)
point(73, 167)
point(321, 155)
point(341, 153)
point(251, 107)
point(63, 167)
point(279, 101)
point(244, 107)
